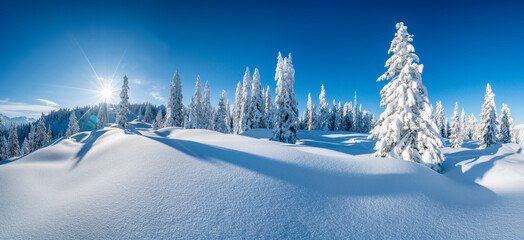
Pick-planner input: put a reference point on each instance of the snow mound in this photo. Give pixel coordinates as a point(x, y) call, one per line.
point(175, 183)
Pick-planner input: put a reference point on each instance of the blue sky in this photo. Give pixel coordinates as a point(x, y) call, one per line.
point(463, 45)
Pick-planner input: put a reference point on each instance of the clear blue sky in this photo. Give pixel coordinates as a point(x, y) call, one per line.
point(342, 45)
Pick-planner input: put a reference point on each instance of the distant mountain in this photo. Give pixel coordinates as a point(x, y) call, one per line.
point(7, 121)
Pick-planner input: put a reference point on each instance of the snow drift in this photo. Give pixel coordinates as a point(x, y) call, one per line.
point(175, 183)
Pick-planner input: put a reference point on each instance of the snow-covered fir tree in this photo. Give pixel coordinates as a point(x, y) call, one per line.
point(159, 120)
point(4, 153)
point(439, 119)
point(13, 147)
point(311, 114)
point(323, 114)
point(464, 124)
point(148, 114)
point(101, 118)
point(73, 127)
point(41, 133)
point(237, 109)
point(196, 111)
point(355, 123)
point(488, 116)
point(473, 128)
point(456, 131)
point(123, 106)
point(49, 135)
point(507, 134)
point(286, 112)
point(175, 107)
point(222, 120)
point(257, 101)
point(268, 109)
point(405, 129)
point(25, 147)
point(245, 115)
point(347, 118)
point(339, 115)
point(207, 117)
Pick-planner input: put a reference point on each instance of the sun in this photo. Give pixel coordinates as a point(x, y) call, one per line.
point(106, 93)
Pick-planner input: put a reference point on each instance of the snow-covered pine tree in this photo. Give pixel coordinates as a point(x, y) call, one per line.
point(175, 107)
point(439, 119)
point(123, 106)
point(49, 135)
point(347, 117)
point(148, 114)
point(207, 117)
point(4, 153)
point(245, 116)
point(159, 120)
point(25, 147)
point(101, 118)
point(268, 109)
point(456, 132)
point(222, 123)
point(237, 109)
point(13, 147)
point(72, 128)
point(473, 128)
point(448, 127)
point(257, 101)
point(405, 129)
point(356, 116)
point(286, 112)
point(507, 134)
point(41, 133)
point(311, 114)
point(339, 115)
point(196, 112)
point(323, 113)
point(488, 116)
point(464, 128)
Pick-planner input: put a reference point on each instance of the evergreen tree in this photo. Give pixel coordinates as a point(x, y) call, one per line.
point(488, 115)
point(41, 133)
point(245, 116)
point(175, 107)
point(72, 128)
point(49, 135)
point(473, 128)
point(25, 147)
point(464, 124)
point(148, 115)
point(257, 102)
point(123, 106)
point(101, 116)
point(268, 109)
point(13, 147)
point(456, 132)
point(339, 115)
point(311, 114)
point(405, 129)
point(207, 118)
point(439, 119)
point(237, 109)
point(4, 152)
point(347, 117)
point(507, 134)
point(222, 119)
point(324, 116)
point(355, 123)
point(159, 120)
point(196, 112)
point(286, 113)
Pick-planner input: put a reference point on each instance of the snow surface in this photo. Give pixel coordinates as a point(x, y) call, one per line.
point(175, 183)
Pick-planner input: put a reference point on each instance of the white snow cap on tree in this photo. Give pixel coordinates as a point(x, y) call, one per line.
point(507, 134)
point(311, 114)
point(439, 119)
point(123, 106)
point(175, 107)
point(101, 118)
point(464, 124)
point(405, 129)
point(13, 147)
point(196, 111)
point(268, 109)
point(72, 128)
point(148, 114)
point(456, 132)
point(323, 116)
point(237, 109)
point(222, 119)
point(488, 116)
point(158, 122)
point(286, 112)
point(245, 116)
point(207, 120)
point(257, 101)
point(473, 128)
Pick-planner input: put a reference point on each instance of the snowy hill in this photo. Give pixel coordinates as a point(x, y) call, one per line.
point(176, 183)
point(7, 121)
